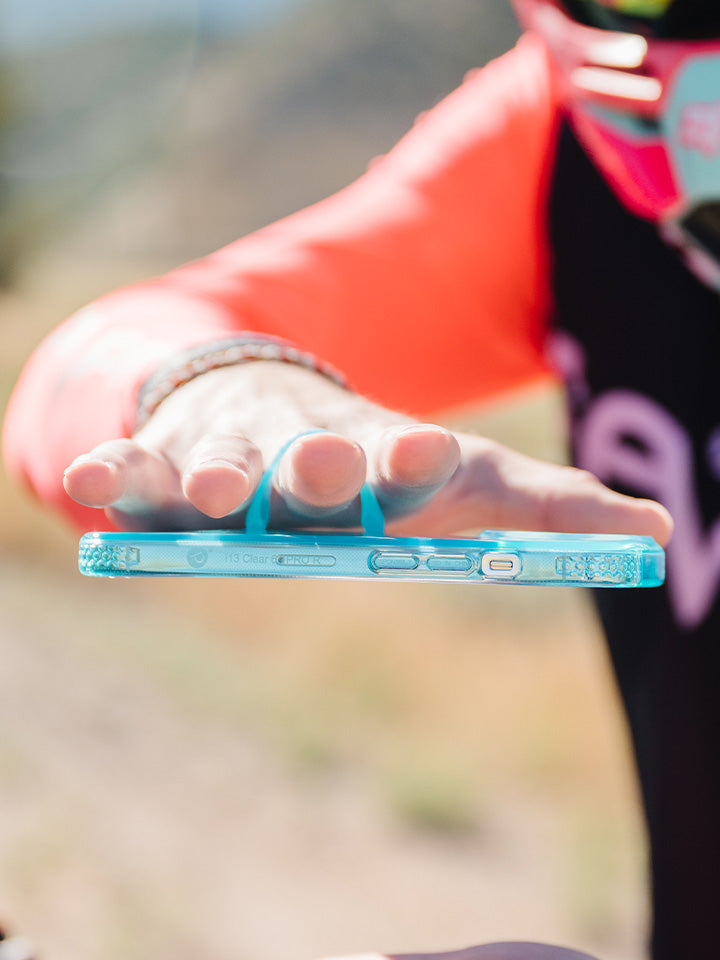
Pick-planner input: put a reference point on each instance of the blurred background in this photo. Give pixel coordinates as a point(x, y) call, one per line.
point(254, 770)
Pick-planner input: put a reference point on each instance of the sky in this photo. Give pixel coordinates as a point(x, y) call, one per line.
point(27, 24)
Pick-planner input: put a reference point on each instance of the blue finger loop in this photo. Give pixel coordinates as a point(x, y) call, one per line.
point(372, 518)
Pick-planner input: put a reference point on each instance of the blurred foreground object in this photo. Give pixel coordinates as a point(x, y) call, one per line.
point(15, 948)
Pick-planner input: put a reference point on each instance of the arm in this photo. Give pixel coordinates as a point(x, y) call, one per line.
point(436, 256)
point(424, 282)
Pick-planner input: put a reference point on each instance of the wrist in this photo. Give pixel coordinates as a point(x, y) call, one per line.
point(189, 364)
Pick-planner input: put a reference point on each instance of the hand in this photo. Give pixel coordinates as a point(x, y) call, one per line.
point(199, 459)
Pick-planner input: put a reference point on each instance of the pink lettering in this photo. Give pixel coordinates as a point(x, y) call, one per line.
point(660, 464)
point(699, 128)
point(625, 437)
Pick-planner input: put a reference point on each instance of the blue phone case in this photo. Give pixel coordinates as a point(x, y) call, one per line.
point(496, 556)
point(546, 559)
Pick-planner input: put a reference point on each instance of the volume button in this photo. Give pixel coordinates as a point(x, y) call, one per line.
point(386, 560)
point(450, 563)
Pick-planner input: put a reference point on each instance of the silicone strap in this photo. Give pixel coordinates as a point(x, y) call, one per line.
point(372, 518)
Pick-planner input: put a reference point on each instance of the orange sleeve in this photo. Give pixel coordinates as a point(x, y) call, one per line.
point(425, 282)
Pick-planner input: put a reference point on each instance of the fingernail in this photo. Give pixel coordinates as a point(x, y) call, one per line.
point(421, 428)
point(84, 459)
point(216, 462)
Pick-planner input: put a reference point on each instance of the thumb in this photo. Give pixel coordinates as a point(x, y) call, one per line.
point(500, 488)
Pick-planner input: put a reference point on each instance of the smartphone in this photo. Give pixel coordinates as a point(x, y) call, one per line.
point(496, 556)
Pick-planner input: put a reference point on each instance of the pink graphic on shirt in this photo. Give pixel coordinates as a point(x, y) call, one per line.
point(627, 438)
point(699, 128)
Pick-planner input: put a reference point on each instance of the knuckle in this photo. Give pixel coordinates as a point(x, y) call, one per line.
point(583, 477)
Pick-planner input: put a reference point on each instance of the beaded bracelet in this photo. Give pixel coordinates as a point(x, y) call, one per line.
point(223, 353)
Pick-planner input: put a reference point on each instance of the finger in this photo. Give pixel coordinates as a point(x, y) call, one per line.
point(412, 463)
point(593, 508)
point(509, 490)
point(121, 473)
point(569, 500)
point(321, 474)
point(221, 473)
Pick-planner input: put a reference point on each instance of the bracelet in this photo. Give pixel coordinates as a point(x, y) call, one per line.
point(224, 353)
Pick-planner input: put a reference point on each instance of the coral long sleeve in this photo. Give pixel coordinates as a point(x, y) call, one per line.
point(425, 281)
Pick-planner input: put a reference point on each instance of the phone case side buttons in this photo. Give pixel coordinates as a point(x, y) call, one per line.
point(382, 561)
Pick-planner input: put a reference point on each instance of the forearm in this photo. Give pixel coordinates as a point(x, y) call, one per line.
point(80, 386)
point(423, 282)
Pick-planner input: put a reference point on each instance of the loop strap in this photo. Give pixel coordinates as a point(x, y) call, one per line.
point(372, 518)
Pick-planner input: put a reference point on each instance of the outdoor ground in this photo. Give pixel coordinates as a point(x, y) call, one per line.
point(283, 771)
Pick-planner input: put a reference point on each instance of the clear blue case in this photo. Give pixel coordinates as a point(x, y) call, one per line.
point(496, 556)
point(547, 559)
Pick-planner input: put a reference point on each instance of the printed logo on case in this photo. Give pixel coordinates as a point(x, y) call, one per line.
point(197, 557)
